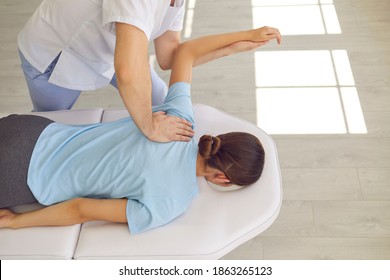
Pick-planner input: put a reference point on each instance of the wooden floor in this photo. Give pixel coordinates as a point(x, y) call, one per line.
point(336, 169)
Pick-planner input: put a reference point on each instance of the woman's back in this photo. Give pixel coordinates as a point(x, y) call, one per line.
point(108, 160)
point(115, 160)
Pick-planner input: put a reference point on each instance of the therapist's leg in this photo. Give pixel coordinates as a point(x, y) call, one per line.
point(44, 95)
point(159, 87)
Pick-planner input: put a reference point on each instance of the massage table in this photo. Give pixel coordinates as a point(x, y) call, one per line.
point(215, 224)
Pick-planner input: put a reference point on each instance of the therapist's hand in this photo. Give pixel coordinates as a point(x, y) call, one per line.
point(265, 34)
point(170, 128)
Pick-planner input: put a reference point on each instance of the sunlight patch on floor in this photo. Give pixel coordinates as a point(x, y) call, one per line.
point(307, 92)
point(304, 91)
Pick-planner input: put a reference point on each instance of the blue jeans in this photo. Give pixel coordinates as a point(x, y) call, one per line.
point(49, 97)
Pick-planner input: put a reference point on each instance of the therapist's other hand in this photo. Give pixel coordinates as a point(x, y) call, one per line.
point(265, 34)
point(170, 128)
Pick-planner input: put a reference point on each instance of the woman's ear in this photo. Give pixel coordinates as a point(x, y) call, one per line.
point(221, 178)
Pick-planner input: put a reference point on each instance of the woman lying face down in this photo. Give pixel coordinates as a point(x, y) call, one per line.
point(111, 172)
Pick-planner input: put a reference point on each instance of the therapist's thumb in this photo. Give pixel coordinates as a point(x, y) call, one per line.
point(160, 113)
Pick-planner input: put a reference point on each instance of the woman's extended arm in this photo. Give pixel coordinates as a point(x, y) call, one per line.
point(189, 52)
point(70, 212)
point(226, 51)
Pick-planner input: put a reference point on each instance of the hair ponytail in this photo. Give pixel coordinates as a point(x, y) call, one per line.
point(209, 146)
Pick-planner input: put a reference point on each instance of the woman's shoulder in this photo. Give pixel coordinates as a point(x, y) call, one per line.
point(179, 87)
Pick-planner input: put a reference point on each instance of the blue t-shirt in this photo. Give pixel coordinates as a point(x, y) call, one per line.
point(115, 160)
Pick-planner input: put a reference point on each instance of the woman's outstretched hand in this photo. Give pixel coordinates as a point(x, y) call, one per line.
point(257, 38)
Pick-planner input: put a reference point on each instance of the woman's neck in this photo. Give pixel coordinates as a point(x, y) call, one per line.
point(200, 165)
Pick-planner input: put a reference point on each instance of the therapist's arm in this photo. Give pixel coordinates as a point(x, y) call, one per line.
point(135, 87)
point(75, 211)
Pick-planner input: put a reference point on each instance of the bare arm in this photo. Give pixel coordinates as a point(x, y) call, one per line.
point(226, 51)
point(165, 47)
point(70, 212)
point(134, 84)
point(167, 44)
point(191, 51)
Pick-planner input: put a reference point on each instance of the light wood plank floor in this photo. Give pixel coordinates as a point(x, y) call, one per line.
point(336, 181)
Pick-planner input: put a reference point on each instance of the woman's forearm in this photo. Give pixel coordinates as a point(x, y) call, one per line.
point(221, 44)
point(213, 46)
point(228, 50)
point(222, 52)
point(204, 49)
point(75, 211)
point(62, 214)
point(199, 51)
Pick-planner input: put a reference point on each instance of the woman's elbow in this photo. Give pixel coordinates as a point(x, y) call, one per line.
point(165, 64)
point(75, 209)
point(181, 51)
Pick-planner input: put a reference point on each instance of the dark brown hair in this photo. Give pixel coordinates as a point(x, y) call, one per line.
point(239, 155)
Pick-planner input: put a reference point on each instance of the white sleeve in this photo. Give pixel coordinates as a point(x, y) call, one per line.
point(141, 14)
point(141, 217)
point(177, 24)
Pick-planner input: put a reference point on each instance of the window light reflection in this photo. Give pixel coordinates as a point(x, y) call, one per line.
point(294, 68)
point(297, 17)
point(189, 18)
point(291, 20)
point(353, 110)
point(307, 92)
point(331, 20)
point(300, 111)
point(256, 3)
point(343, 68)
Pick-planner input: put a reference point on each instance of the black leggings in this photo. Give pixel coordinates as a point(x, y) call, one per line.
point(18, 136)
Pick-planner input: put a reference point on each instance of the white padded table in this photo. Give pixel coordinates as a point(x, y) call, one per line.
point(216, 222)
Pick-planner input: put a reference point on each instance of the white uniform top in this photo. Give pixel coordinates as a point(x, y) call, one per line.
point(84, 33)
